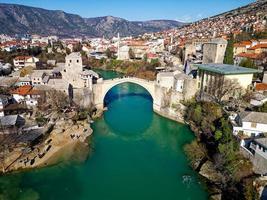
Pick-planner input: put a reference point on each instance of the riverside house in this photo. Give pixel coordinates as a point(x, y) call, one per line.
point(250, 124)
point(256, 150)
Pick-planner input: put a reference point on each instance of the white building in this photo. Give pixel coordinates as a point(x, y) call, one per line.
point(123, 53)
point(37, 77)
point(89, 76)
point(165, 79)
point(250, 123)
point(26, 94)
point(25, 61)
point(213, 78)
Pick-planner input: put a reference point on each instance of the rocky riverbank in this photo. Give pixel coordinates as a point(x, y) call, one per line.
point(170, 115)
point(60, 144)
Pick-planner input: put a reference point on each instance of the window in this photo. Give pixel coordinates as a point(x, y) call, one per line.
point(70, 61)
point(77, 61)
point(253, 125)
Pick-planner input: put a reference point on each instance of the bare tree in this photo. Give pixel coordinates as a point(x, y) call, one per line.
point(57, 100)
point(229, 88)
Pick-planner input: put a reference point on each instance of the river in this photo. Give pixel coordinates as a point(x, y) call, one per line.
point(136, 155)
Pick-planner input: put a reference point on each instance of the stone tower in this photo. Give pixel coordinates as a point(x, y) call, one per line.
point(73, 69)
point(213, 52)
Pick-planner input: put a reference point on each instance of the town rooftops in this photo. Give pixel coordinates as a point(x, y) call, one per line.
point(23, 57)
point(226, 69)
point(258, 46)
point(243, 44)
point(25, 90)
point(74, 55)
point(254, 117)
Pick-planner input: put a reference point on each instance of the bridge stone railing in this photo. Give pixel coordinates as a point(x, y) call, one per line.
point(127, 78)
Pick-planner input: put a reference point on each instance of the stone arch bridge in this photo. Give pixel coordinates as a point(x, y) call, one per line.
point(101, 89)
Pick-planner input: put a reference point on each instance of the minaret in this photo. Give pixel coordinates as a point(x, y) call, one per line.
point(118, 46)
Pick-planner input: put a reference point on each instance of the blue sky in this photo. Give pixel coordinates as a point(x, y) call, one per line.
point(182, 10)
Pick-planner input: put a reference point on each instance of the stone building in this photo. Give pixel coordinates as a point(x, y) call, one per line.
point(213, 52)
point(178, 82)
point(73, 69)
point(256, 150)
point(250, 124)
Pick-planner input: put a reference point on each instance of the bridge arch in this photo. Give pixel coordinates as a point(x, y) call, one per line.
point(101, 89)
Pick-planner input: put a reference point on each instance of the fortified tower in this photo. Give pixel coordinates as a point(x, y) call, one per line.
point(73, 69)
point(213, 52)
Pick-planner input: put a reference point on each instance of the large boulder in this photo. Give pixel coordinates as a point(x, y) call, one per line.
point(208, 171)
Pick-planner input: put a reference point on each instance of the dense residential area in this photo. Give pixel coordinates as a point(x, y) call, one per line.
point(210, 74)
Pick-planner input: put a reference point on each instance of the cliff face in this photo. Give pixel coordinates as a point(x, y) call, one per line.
point(19, 19)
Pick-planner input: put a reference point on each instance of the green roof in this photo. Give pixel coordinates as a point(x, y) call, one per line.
point(226, 69)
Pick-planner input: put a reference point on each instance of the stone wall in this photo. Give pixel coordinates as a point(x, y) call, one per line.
point(259, 164)
point(83, 97)
point(209, 53)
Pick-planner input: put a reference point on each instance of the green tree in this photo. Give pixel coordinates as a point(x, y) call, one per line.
point(249, 63)
point(218, 135)
point(131, 54)
point(229, 53)
point(197, 116)
point(145, 57)
point(108, 53)
point(263, 108)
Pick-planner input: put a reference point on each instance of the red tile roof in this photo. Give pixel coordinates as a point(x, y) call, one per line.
point(261, 87)
point(251, 55)
point(258, 46)
point(22, 57)
point(25, 90)
point(242, 44)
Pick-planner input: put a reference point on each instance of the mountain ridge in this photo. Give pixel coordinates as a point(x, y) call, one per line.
point(21, 19)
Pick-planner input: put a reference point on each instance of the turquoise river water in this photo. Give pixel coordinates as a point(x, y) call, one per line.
point(136, 154)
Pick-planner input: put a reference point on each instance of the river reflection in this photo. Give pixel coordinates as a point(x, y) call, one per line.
point(130, 111)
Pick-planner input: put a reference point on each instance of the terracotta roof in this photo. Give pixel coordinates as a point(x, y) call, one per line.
point(258, 46)
point(242, 44)
point(25, 90)
point(251, 55)
point(22, 57)
point(261, 87)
